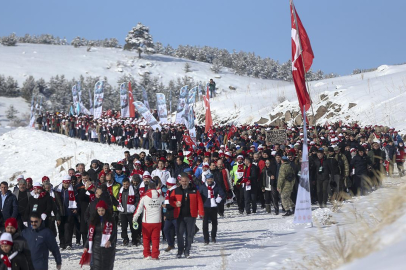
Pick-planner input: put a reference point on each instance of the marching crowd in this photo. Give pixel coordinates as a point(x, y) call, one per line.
point(162, 194)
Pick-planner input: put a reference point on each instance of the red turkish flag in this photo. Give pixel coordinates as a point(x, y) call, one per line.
point(209, 120)
point(302, 58)
point(188, 140)
point(233, 129)
point(131, 101)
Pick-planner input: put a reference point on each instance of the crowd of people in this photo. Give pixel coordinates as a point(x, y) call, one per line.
point(160, 195)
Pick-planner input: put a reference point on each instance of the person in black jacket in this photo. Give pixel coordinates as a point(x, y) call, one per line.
point(321, 171)
point(83, 202)
point(22, 195)
point(377, 157)
point(11, 259)
point(9, 205)
point(102, 249)
point(40, 202)
point(335, 173)
point(20, 244)
point(94, 170)
point(180, 166)
point(360, 165)
point(250, 184)
point(269, 185)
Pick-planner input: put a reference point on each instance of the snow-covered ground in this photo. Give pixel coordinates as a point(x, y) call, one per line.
point(259, 241)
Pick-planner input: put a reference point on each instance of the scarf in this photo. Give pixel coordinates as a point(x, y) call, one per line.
point(246, 177)
point(210, 194)
point(167, 194)
point(107, 229)
point(204, 173)
point(225, 179)
point(142, 189)
point(130, 200)
point(7, 259)
point(38, 196)
point(91, 195)
point(110, 188)
point(240, 172)
point(72, 201)
point(52, 194)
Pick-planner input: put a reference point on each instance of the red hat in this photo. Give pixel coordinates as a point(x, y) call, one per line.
point(162, 159)
point(207, 154)
point(11, 222)
point(45, 178)
point(29, 180)
point(101, 204)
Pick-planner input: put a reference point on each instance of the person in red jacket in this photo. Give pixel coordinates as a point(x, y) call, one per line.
point(400, 158)
point(188, 205)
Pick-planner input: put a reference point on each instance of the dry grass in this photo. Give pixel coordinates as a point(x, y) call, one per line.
point(358, 241)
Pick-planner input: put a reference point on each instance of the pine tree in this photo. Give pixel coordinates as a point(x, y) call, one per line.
point(28, 88)
point(139, 39)
point(216, 67)
point(10, 40)
point(187, 67)
point(11, 113)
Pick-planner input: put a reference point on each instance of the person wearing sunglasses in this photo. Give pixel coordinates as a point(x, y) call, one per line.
point(40, 241)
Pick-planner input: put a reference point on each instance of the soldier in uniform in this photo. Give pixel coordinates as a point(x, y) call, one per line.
point(286, 182)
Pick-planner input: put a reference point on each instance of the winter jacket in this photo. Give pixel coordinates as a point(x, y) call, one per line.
point(217, 192)
point(376, 156)
point(119, 177)
point(218, 179)
point(151, 207)
point(194, 200)
point(321, 169)
point(286, 178)
point(21, 245)
point(91, 209)
point(23, 202)
point(17, 263)
point(164, 175)
point(40, 242)
point(10, 207)
point(268, 172)
point(235, 176)
point(103, 258)
point(94, 174)
point(360, 164)
point(390, 152)
point(83, 201)
point(179, 168)
point(42, 205)
point(115, 190)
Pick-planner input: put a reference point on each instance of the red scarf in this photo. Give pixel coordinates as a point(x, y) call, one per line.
point(107, 229)
point(90, 194)
point(130, 199)
point(225, 179)
point(246, 177)
point(72, 201)
point(7, 259)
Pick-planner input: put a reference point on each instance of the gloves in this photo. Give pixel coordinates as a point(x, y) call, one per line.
point(44, 216)
point(25, 224)
point(218, 199)
point(135, 225)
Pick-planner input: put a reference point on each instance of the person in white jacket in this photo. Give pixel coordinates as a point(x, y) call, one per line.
point(160, 171)
point(150, 205)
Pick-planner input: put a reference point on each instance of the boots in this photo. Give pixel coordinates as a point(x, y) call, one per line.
point(268, 208)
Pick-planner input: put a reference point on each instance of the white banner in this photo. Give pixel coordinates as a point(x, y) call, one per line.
point(146, 113)
point(180, 110)
point(303, 210)
point(161, 107)
point(98, 99)
point(125, 112)
point(145, 97)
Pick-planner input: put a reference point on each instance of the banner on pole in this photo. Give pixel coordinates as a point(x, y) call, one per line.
point(125, 112)
point(146, 113)
point(145, 97)
point(276, 136)
point(161, 107)
point(181, 104)
point(303, 209)
point(98, 99)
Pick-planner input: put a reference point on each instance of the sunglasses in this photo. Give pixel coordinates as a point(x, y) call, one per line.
point(34, 221)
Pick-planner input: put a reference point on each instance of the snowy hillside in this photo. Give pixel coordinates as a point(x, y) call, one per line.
point(23, 112)
point(376, 97)
point(259, 241)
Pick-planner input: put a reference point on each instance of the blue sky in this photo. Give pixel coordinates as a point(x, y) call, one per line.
point(344, 34)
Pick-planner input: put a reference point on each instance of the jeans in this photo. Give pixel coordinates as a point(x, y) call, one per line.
point(136, 143)
point(170, 227)
point(164, 146)
point(145, 143)
point(186, 225)
point(157, 145)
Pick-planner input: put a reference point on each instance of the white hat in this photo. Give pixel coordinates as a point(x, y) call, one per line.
point(171, 181)
point(146, 175)
point(20, 177)
point(37, 185)
point(6, 239)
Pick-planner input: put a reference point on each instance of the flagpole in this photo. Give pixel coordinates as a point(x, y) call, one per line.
point(301, 54)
